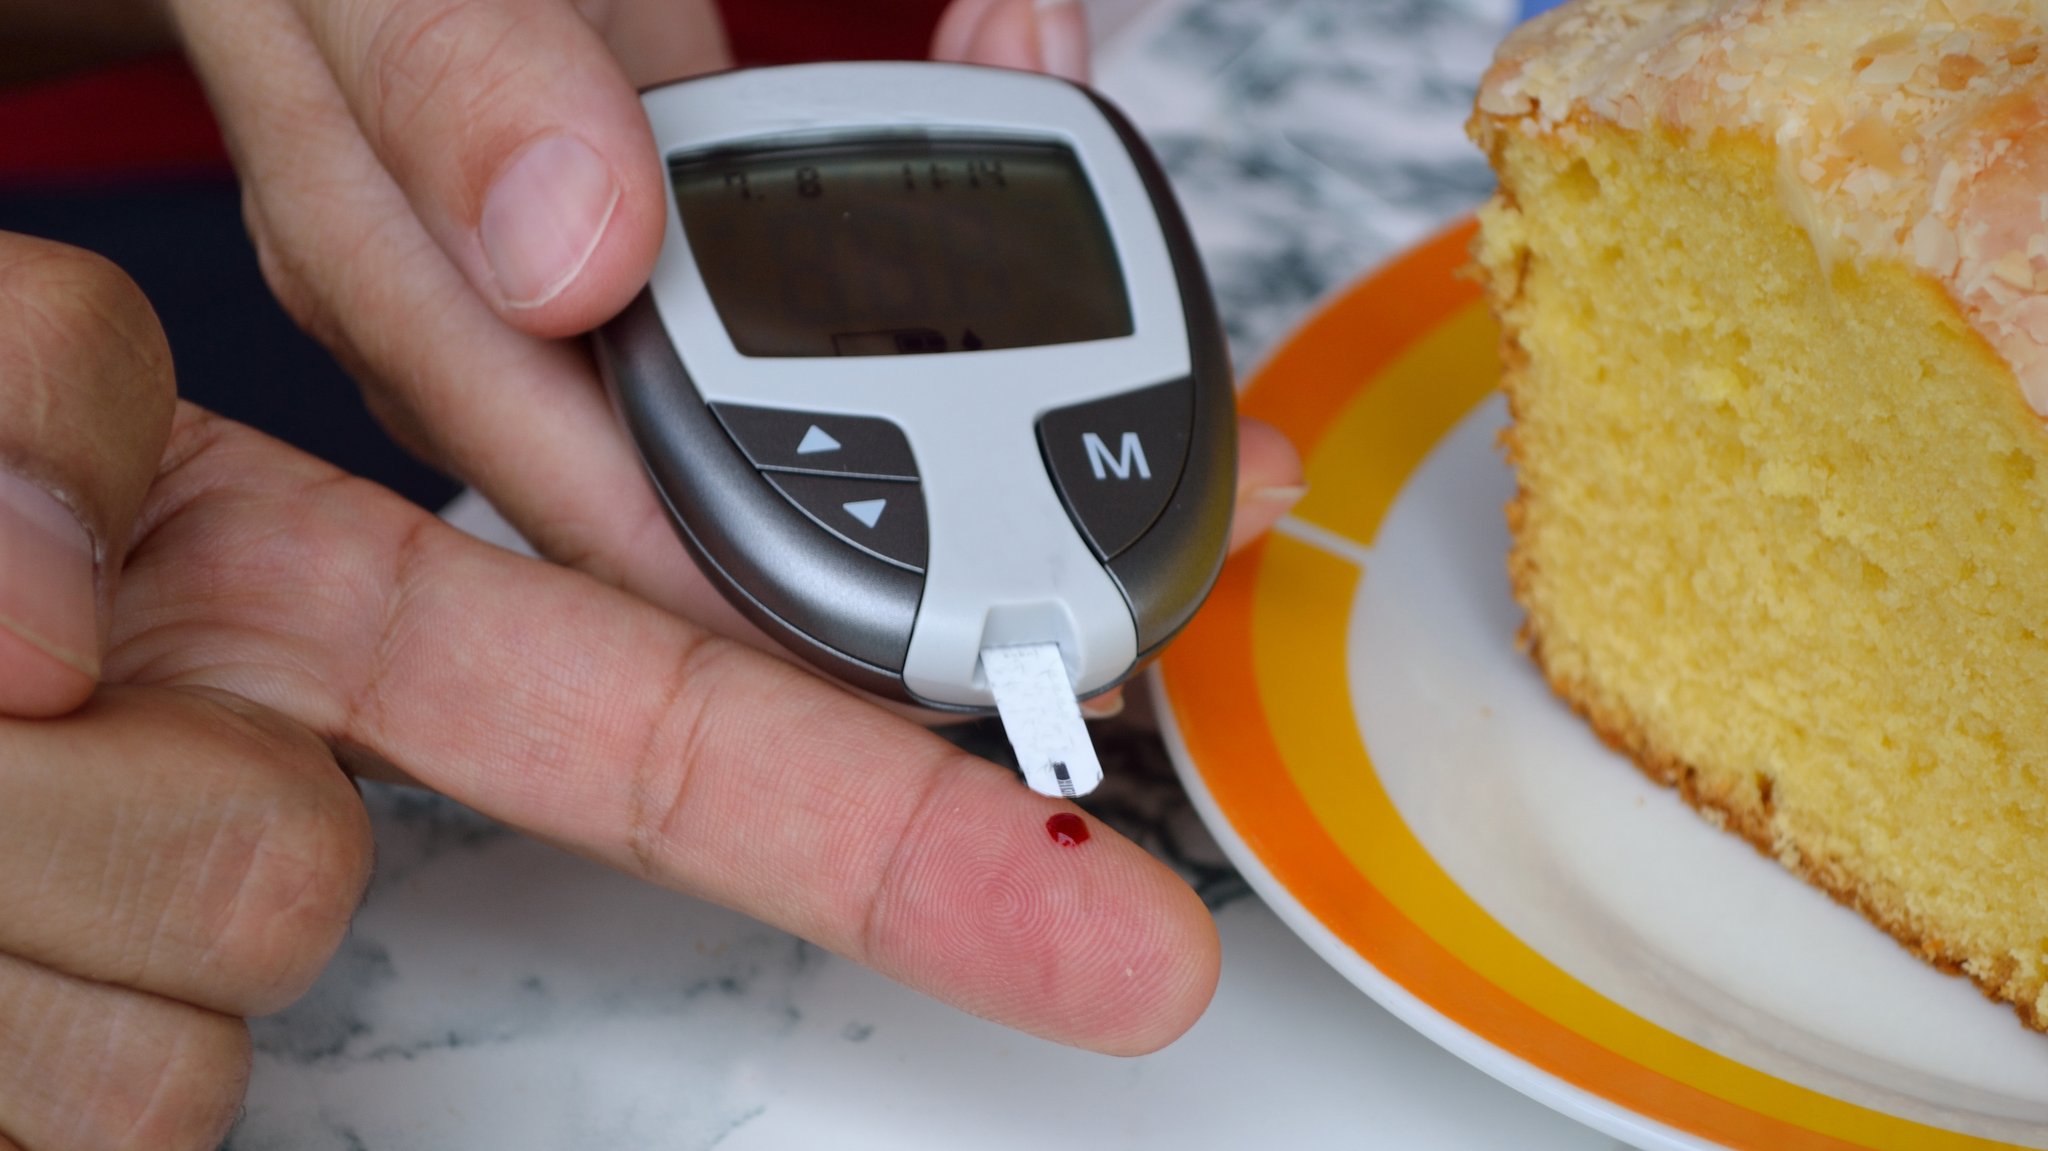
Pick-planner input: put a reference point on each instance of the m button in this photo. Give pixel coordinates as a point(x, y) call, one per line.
point(1117, 461)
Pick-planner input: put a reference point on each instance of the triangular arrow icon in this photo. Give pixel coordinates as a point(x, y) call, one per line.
point(868, 512)
point(816, 440)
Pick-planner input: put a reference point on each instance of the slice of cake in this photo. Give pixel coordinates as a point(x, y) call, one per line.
point(1773, 276)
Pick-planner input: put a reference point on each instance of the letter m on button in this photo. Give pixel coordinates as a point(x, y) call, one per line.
point(1129, 454)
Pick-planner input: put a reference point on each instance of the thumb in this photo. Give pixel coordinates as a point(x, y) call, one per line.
point(85, 407)
point(508, 124)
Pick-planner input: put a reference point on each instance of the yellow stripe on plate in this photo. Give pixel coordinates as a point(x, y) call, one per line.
point(1380, 438)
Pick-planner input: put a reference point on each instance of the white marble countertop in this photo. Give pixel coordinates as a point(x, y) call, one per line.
point(495, 993)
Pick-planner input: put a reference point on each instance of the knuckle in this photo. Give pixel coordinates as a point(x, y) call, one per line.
point(284, 275)
point(285, 887)
point(65, 305)
point(605, 554)
point(192, 1089)
point(672, 757)
point(400, 420)
point(73, 277)
point(135, 1073)
point(409, 52)
point(448, 59)
point(305, 297)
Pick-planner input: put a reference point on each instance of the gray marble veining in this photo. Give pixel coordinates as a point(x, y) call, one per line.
point(488, 973)
point(1311, 139)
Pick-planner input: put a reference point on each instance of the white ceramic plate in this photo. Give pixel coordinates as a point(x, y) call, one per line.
point(1357, 726)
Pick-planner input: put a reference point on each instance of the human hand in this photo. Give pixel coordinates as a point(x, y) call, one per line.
point(180, 846)
point(443, 190)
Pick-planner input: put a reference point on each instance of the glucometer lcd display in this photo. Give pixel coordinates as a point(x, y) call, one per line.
point(895, 246)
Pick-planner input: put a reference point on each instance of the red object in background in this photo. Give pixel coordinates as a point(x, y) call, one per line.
point(149, 118)
point(788, 31)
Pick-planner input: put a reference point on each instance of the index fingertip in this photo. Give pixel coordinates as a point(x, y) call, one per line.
point(1087, 941)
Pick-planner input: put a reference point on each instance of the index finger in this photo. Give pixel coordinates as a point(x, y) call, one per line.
point(592, 719)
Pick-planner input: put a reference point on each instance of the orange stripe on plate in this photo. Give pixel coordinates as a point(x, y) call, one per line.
point(1362, 460)
point(1359, 334)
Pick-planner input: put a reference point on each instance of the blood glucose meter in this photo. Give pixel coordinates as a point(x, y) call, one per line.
point(928, 366)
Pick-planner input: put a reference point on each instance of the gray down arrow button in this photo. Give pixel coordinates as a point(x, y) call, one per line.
point(884, 518)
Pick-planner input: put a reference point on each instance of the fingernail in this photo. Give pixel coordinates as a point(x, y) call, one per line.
point(1063, 39)
point(46, 570)
point(1286, 495)
point(1107, 706)
point(543, 217)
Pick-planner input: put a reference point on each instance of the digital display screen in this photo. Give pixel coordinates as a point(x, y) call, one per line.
point(901, 246)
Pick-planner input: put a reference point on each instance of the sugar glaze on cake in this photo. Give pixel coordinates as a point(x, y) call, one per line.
point(1929, 146)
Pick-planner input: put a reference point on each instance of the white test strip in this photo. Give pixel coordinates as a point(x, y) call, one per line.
point(1042, 719)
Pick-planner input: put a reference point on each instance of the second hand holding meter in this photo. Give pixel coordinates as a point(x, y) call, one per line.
point(930, 379)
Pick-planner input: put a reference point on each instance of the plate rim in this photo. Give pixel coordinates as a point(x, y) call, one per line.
point(1595, 1111)
point(1382, 339)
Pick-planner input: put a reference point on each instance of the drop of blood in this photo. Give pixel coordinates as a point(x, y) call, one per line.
point(1067, 829)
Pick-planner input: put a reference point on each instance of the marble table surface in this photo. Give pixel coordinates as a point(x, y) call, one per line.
point(495, 993)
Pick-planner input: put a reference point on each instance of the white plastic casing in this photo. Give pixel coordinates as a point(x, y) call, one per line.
point(1006, 564)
